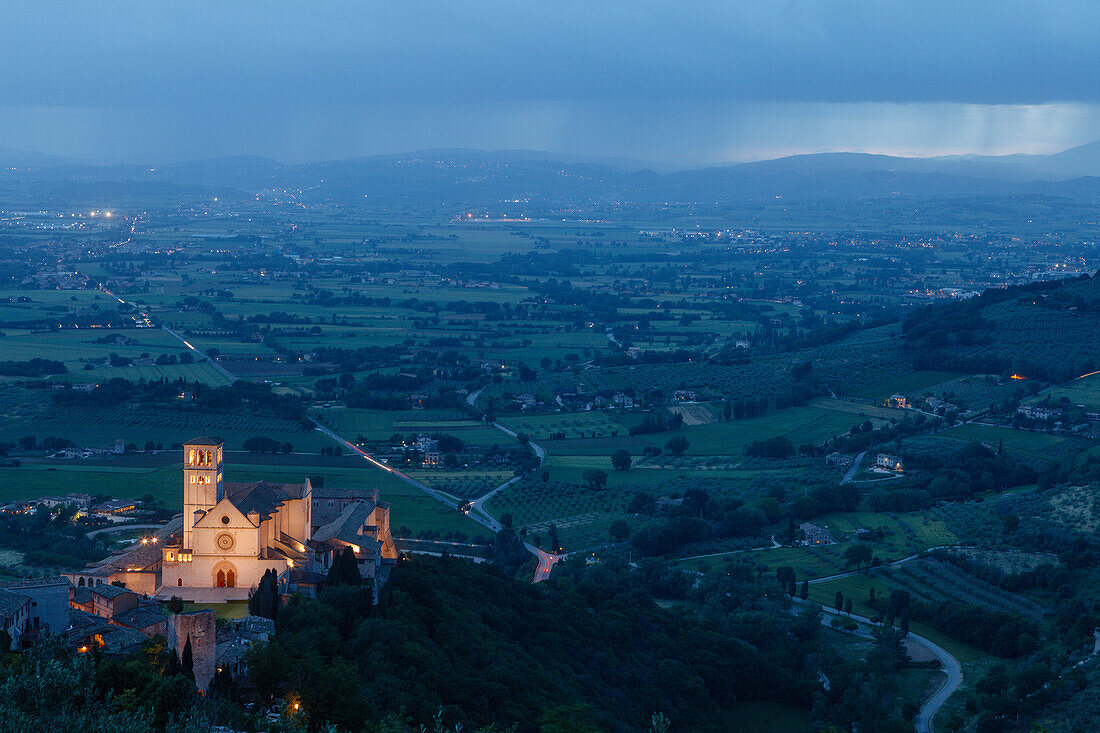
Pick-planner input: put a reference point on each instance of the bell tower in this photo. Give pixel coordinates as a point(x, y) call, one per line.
point(202, 481)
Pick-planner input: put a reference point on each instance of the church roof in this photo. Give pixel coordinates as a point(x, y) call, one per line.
point(346, 492)
point(346, 527)
point(203, 440)
point(138, 556)
point(263, 497)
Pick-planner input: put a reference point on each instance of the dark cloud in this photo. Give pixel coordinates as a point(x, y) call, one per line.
point(183, 76)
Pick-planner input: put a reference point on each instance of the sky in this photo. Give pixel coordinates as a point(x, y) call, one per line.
point(681, 83)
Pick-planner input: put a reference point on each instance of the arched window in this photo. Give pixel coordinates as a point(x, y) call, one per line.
point(81, 583)
point(179, 581)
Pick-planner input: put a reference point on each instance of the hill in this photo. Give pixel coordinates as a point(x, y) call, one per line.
point(1045, 330)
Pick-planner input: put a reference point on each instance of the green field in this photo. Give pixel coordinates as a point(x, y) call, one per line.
point(1083, 391)
point(410, 507)
point(1029, 443)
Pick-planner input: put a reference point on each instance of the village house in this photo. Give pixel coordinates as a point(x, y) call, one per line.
point(1035, 412)
point(815, 534)
point(889, 462)
point(837, 459)
point(623, 400)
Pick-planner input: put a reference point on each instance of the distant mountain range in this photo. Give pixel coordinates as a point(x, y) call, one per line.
point(480, 178)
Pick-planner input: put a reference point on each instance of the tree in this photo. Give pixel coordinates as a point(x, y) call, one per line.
point(619, 530)
point(858, 554)
point(28, 442)
point(848, 606)
point(838, 602)
point(264, 601)
point(344, 570)
point(676, 446)
point(187, 660)
point(620, 459)
point(175, 604)
point(804, 591)
point(595, 478)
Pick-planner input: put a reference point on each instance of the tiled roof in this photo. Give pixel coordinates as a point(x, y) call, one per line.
point(345, 528)
point(138, 556)
point(261, 496)
point(33, 582)
point(110, 591)
point(345, 492)
point(11, 603)
point(203, 440)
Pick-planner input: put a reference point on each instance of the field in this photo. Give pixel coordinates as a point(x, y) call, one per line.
point(380, 425)
point(89, 426)
point(1083, 391)
point(410, 507)
point(1030, 444)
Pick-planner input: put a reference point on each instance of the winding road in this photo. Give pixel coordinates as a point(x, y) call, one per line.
point(951, 667)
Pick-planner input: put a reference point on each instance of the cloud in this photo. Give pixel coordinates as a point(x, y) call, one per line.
point(639, 75)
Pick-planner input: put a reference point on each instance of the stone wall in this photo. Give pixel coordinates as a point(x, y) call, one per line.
point(201, 628)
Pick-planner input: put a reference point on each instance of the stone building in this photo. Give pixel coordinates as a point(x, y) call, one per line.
point(230, 534)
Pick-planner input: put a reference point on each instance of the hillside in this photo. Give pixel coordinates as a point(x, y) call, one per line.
point(1046, 330)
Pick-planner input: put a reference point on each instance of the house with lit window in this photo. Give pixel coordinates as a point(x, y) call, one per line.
point(230, 534)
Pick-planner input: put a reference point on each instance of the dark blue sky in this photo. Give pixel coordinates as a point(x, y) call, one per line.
point(691, 82)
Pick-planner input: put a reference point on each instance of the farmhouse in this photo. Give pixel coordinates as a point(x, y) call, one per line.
point(1036, 413)
point(230, 534)
point(815, 534)
point(889, 462)
point(836, 459)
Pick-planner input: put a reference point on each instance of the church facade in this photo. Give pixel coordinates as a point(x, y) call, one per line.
point(230, 534)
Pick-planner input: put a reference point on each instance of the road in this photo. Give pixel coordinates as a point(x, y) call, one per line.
point(209, 359)
point(851, 473)
point(951, 668)
point(121, 528)
point(148, 321)
point(477, 512)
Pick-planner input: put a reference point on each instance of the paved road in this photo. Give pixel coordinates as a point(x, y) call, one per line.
point(148, 320)
point(951, 668)
point(477, 513)
point(209, 359)
point(121, 528)
point(851, 473)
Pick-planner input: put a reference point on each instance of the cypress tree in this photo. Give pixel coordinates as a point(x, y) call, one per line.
point(187, 660)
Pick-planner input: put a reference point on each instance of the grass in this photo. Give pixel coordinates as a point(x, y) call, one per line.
point(1031, 444)
point(409, 506)
point(1082, 391)
point(227, 610)
point(857, 588)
